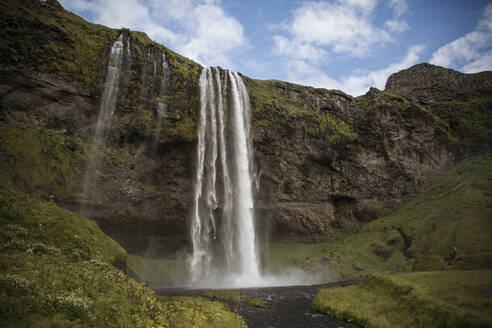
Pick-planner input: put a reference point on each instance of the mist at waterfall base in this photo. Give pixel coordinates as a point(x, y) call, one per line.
point(224, 245)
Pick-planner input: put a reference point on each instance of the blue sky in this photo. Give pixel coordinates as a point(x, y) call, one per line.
point(348, 45)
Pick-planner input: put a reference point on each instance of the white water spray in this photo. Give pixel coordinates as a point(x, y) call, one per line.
point(224, 246)
point(106, 111)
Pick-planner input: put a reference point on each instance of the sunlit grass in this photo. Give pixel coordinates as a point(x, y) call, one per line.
point(417, 299)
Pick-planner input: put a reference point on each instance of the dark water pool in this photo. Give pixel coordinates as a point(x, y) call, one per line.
point(289, 307)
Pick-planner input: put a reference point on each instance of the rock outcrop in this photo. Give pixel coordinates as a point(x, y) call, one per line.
point(426, 83)
point(325, 159)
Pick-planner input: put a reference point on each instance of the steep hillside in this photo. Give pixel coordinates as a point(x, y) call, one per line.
point(57, 269)
point(325, 160)
point(455, 211)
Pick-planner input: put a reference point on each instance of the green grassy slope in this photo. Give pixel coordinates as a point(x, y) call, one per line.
point(455, 211)
point(39, 162)
point(56, 271)
point(418, 299)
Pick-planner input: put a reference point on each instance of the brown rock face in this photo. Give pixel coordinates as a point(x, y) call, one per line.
point(310, 183)
point(426, 83)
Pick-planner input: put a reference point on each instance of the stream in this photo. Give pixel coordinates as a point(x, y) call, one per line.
point(287, 307)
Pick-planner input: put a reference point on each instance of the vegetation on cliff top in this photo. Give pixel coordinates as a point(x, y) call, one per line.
point(417, 299)
point(56, 271)
point(43, 36)
point(286, 108)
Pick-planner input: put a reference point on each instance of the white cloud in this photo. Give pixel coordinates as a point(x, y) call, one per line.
point(199, 29)
point(322, 29)
point(400, 7)
point(482, 63)
point(396, 25)
point(355, 84)
point(471, 52)
point(343, 26)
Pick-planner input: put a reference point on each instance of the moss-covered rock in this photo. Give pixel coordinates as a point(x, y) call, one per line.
point(429, 263)
point(41, 163)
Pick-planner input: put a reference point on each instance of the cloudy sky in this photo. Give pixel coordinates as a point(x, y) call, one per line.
point(336, 44)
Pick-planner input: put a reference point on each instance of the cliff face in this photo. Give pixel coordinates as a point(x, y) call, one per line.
point(325, 159)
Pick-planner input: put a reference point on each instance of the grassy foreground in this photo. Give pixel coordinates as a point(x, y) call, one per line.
point(455, 211)
point(417, 299)
point(56, 270)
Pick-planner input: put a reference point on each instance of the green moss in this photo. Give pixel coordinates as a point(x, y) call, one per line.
point(470, 122)
point(43, 35)
point(454, 211)
point(184, 130)
point(430, 299)
point(259, 303)
point(199, 312)
point(274, 107)
point(114, 157)
point(41, 163)
point(429, 263)
point(473, 262)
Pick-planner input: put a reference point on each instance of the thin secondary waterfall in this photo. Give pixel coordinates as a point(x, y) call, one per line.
point(222, 227)
point(161, 105)
point(106, 111)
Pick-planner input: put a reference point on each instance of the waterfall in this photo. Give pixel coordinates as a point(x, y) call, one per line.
point(161, 106)
point(224, 246)
point(106, 111)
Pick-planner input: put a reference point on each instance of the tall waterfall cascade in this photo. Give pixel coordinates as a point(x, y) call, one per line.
point(222, 228)
point(104, 120)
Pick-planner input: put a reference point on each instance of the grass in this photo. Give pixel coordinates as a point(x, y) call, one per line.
point(343, 255)
point(454, 211)
point(43, 35)
point(39, 162)
point(57, 270)
point(187, 311)
point(417, 299)
point(470, 121)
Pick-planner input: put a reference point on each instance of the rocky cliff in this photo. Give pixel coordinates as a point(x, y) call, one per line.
point(325, 159)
